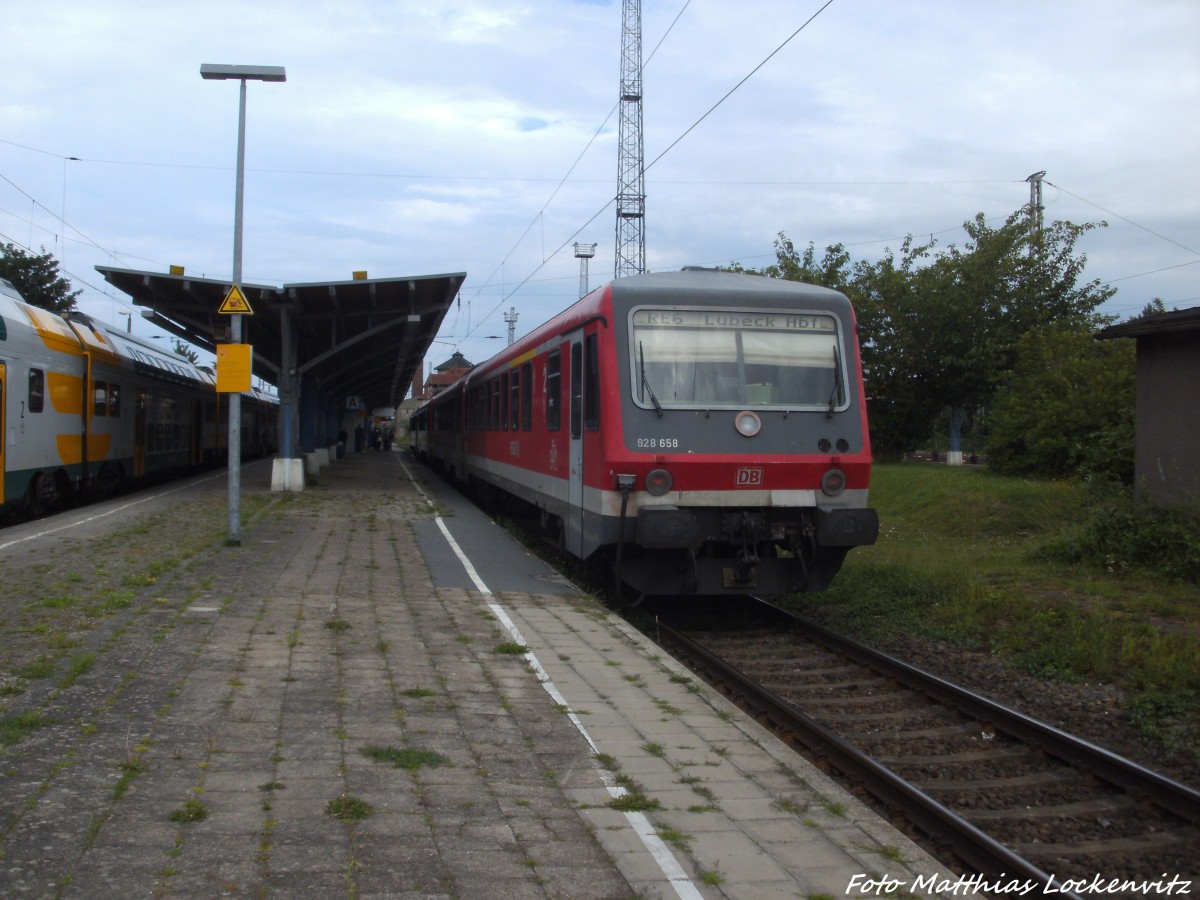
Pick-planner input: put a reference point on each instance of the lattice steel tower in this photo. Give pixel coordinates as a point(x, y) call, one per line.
point(631, 179)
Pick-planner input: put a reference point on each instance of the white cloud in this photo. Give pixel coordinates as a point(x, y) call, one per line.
point(413, 137)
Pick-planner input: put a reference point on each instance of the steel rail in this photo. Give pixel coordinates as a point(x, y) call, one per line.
point(1154, 787)
point(945, 828)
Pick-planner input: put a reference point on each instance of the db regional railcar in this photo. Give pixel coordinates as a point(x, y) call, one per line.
point(702, 431)
point(85, 407)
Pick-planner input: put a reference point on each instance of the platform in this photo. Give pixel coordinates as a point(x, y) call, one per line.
point(378, 694)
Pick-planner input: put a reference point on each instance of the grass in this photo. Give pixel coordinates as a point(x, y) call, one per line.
point(410, 758)
point(191, 811)
point(348, 808)
point(975, 559)
point(634, 801)
point(509, 648)
point(78, 666)
point(15, 727)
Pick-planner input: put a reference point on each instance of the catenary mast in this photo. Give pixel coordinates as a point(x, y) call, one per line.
point(631, 181)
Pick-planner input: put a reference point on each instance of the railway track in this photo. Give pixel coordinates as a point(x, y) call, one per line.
point(990, 789)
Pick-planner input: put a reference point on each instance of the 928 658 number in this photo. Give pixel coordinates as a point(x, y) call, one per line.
point(658, 443)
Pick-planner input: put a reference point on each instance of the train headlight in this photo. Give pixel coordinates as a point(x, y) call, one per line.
point(833, 482)
point(747, 423)
point(658, 482)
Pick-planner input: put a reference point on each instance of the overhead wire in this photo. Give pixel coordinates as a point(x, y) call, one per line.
point(1123, 218)
point(669, 147)
point(554, 193)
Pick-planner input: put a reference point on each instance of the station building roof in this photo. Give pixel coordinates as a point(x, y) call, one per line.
point(363, 337)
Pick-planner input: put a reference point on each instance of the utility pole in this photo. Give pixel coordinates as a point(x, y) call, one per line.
point(1035, 211)
point(511, 318)
point(631, 180)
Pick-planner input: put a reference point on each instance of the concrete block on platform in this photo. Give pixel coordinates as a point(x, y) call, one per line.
point(287, 475)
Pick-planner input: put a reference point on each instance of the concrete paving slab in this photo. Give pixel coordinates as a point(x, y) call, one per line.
point(233, 701)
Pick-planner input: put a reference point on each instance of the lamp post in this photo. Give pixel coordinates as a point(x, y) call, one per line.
point(241, 74)
point(584, 252)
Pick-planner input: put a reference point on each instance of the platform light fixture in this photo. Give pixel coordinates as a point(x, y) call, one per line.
point(218, 72)
point(584, 252)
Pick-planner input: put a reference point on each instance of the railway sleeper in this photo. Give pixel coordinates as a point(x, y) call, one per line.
point(1182, 838)
point(971, 757)
point(1006, 782)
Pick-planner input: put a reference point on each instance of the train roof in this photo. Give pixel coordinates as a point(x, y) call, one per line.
point(40, 331)
point(656, 287)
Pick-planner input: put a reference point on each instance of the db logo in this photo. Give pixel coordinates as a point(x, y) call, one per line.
point(749, 477)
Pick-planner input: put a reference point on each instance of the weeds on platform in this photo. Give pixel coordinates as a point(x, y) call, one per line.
point(410, 758)
point(510, 648)
point(14, 728)
point(191, 811)
point(348, 808)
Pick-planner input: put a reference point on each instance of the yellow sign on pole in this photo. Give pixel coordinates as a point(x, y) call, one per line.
point(234, 362)
point(235, 303)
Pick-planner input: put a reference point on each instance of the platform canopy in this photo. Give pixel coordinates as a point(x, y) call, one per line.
point(363, 338)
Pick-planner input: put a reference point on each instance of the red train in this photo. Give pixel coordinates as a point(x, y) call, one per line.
point(701, 431)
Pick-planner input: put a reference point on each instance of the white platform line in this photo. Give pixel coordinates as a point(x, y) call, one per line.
point(661, 853)
point(106, 514)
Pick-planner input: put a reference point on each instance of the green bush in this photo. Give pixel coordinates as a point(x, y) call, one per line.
point(1121, 536)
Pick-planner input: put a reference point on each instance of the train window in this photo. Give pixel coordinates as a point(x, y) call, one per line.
point(37, 390)
point(515, 405)
point(591, 384)
point(715, 357)
point(527, 397)
point(114, 400)
point(554, 391)
point(576, 390)
point(100, 398)
point(495, 389)
point(504, 402)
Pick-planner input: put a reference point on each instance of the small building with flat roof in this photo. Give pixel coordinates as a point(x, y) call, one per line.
point(1167, 424)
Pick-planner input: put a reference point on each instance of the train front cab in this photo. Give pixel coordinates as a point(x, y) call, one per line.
point(741, 460)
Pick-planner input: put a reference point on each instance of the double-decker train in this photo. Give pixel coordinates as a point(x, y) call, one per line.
point(85, 407)
point(701, 431)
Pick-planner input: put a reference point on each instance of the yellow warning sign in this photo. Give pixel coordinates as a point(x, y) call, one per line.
point(235, 303)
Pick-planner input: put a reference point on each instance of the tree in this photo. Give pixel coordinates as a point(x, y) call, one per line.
point(939, 328)
point(1067, 406)
point(37, 279)
point(185, 351)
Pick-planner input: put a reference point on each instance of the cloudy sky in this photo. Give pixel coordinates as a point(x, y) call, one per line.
point(435, 136)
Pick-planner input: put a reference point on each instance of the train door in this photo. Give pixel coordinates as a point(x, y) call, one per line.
point(3, 427)
point(573, 525)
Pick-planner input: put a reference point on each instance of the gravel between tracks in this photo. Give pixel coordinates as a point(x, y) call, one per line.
point(1094, 712)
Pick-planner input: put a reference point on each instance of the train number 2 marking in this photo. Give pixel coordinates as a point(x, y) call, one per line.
point(658, 443)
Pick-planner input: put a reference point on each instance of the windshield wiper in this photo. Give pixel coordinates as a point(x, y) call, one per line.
point(645, 383)
point(836, 393)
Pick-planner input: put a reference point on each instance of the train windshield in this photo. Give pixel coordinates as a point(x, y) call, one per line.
point(712, 357)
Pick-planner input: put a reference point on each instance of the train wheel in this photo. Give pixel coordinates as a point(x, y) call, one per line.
point(41, 495)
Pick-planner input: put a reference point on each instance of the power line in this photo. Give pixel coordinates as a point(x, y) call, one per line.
point(1126, 220)
point(767, 59)
point(690, 128)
